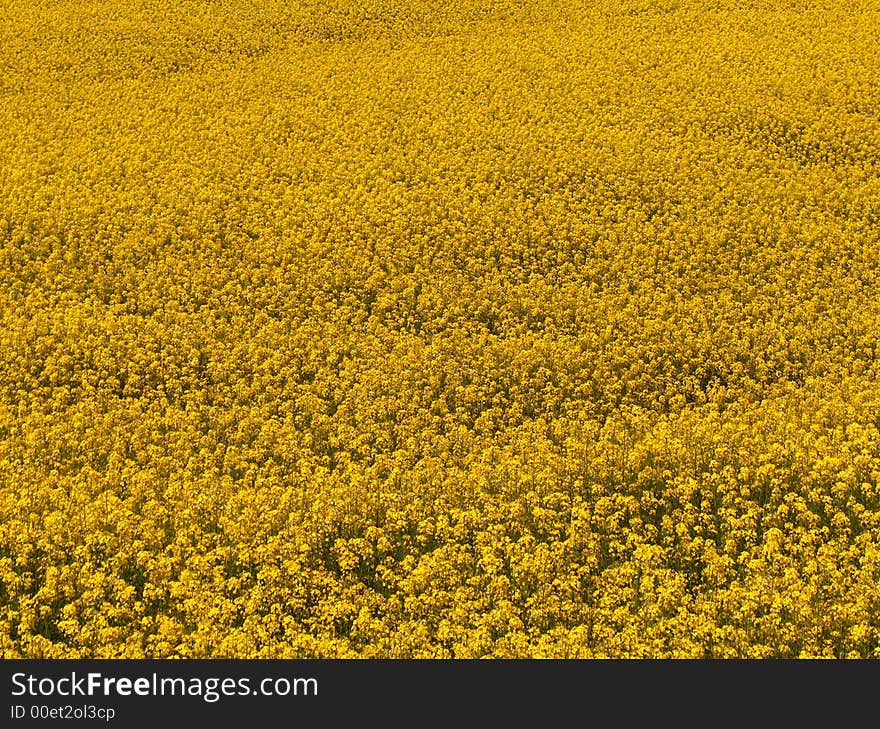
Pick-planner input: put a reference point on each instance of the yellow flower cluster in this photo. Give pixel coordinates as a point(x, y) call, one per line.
point(411, 328)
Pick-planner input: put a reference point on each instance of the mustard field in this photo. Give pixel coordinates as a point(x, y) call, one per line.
point(422, 328)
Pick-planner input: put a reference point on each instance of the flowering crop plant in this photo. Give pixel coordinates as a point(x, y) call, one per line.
point(439, 328)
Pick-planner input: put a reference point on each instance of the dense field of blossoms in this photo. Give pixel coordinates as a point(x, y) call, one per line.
point(457, 328)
